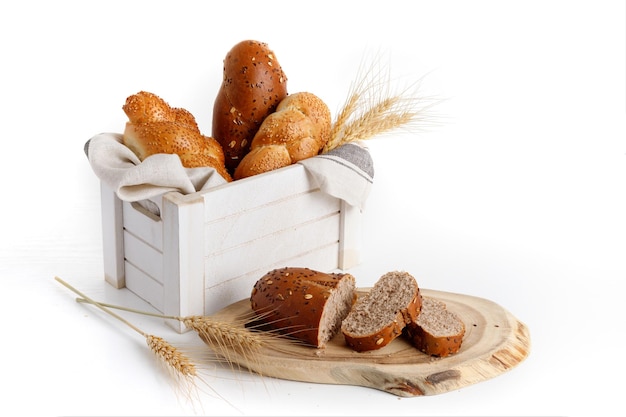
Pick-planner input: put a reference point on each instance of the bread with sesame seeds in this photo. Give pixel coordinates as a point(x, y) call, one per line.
point(253, 84)
point(298, 129)
point(154, 127)
point(437, 331)
point(304, 304)
point(380, 315)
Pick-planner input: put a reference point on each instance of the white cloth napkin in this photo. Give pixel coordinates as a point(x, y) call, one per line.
point(346, 172)
point(133, 180)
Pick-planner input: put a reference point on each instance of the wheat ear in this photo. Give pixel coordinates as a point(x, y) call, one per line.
point(167, 353)
point(371, 109)
point(224, 338)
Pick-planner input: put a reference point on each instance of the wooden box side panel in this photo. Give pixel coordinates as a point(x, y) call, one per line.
point(284, 220)
point(256, 222)
point(224, 293)
point(256, 191)
point(278, 248)
point(144, 224)
point(143, 256)
point(144, 286)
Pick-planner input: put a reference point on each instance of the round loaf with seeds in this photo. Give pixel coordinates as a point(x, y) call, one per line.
point(253, 84)
point(380, 315)
point(304, 304)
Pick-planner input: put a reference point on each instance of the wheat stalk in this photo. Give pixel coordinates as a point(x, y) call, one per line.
point(372, 109)
point(167, 353)
point(225, 338)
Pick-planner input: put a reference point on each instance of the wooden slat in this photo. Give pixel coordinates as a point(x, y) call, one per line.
point(234, 289)
point(144, 286)
point(270, 249)
point(143, 256)
point(241, 195)
point(256, 222)
point(143, 224)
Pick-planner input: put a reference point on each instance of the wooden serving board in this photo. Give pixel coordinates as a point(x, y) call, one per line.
point(495, 341)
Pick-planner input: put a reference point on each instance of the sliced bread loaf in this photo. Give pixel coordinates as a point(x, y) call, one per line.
point(437, 331)
point(379, 316)
point(305, 304)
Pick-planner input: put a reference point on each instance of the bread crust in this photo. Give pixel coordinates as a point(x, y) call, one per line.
point(291, 300)
point(253, 85)
point(388, 331)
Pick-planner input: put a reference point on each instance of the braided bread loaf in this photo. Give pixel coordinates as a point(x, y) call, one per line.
point(155, 127)
point(298, 129)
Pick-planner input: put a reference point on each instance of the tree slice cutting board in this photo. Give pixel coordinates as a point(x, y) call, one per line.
point(494, 342)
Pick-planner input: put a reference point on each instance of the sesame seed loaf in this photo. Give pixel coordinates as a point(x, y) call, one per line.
point(155, 127)
point(297, 130)
point(253, 85)
point(437, 331)
point(304, 304)
point(379, 316)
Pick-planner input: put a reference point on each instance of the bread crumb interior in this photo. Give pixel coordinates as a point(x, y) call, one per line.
point(391, 293)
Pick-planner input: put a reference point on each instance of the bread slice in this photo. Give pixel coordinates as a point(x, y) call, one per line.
point(304, 304)
point(379, 316)
point(437, 331)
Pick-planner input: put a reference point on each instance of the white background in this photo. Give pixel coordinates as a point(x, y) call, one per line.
point(518, 195)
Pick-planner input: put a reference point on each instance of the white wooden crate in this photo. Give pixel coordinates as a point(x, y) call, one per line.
point(205, 250)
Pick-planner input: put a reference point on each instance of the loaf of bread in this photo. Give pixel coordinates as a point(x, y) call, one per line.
point(304, 304)
point(437, 331)
point(154, 127)
point(298, 129)
point(253, 85)
point(380, 315)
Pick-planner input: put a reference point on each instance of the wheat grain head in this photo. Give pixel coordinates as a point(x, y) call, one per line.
point(171, 356)
point(371, 108)
point(227, 339)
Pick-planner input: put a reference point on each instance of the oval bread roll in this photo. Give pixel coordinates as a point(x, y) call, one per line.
point(253, 85)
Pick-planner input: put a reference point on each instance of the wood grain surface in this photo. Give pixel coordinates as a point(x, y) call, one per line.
point(495, 341)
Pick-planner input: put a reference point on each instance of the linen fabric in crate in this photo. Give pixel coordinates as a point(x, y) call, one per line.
point(346, 172)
